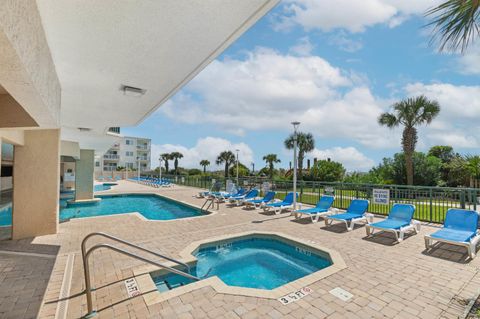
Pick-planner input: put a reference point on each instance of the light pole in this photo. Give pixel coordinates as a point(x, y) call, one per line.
point(138, 168)
point(237, 166)
point(295, 127)
point(253, 168)
point(160, 169)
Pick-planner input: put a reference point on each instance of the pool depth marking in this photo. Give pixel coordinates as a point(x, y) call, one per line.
point(294, 296)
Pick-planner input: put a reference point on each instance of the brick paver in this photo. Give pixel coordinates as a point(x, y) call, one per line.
point(387, 280)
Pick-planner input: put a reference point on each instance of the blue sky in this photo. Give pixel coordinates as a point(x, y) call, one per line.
point(334, 67)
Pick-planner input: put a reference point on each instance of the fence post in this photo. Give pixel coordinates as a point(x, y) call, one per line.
point(462, 199)
point(301, 191)
point(431, 205)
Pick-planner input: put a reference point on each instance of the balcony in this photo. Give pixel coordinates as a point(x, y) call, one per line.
point(111, 157)
point(143, 147)
point(143, 158)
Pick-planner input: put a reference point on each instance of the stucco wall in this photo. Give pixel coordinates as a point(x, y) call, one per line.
point(84, 175)
point(36, 180)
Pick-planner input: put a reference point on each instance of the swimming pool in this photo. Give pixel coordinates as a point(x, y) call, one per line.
point(150, 206)
point(103, 187)
point(259, 262)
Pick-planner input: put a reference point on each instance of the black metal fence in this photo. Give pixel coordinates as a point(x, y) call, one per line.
point(431, 202)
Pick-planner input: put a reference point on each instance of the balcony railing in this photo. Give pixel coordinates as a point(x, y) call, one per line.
point(111, 157)
point(143, 158)
point(142, 147)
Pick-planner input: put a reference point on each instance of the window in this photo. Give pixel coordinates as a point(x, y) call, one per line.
point(97, 164)
point(129, 165)
point(129, 142)
point(129, 153)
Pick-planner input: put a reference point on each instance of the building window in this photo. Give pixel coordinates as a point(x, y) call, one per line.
point(97, 164)
point(129, 142)
point(129, 153)
point(129, 165)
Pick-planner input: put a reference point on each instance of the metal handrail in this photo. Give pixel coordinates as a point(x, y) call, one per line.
point(86, 268)
point(84, 242)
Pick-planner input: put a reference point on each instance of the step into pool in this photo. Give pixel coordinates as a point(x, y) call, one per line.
point(256, 262)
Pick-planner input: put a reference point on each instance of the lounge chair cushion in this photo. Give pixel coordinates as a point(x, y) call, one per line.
point(314, 210)
point(345, 216)
point(391, 223)
point(453, 235)
point(279, 204)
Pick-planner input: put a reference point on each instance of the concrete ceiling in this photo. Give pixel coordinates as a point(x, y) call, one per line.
point(97, 46)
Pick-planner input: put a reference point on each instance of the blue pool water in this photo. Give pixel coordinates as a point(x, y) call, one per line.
point(151, 206)
point(257, 262)
point(6, 216)
point(103, 187)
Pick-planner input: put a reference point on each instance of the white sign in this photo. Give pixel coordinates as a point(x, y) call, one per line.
point(132, 287)
point(329, 190)
point(381, 196)
point(341, 294)
point(294, 296)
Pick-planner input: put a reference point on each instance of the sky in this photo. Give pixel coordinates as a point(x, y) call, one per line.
point(334, 66)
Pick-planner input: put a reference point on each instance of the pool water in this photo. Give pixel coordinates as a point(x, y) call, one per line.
point(103, 187)
point(257, 262)
point(150, 206)
point(6, 216)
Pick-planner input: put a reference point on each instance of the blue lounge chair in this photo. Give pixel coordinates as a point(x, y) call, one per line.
point(398, 222)
point(355, 213)
point(321, 210)
point(278, 207)
point(223, 196)
point(238, 200)
point(269, 196)
point(459, 228)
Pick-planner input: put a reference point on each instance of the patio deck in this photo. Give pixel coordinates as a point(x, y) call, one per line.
point(387, 280)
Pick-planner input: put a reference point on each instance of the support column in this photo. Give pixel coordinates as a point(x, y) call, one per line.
point(36, 184)
point(84, 176)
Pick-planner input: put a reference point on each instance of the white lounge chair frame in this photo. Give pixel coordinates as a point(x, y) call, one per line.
point(354, 221)
point(470, 245)
point(277, 210)
point(315, 216)
point(399, 234)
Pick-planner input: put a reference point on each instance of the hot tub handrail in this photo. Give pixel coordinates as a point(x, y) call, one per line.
point(86, 268)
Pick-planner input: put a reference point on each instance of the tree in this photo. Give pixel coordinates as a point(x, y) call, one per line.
point(176, 156)
point(458, 172)
point(455, 24)
point(227, 158)
point(445, 153)
point(410, 113)
point(393, 170)
point(328, 171)
point(473, 167)
point(204, 163)
point(166, 157)
point(306, 144)
point(242, 170)
point(271, 159)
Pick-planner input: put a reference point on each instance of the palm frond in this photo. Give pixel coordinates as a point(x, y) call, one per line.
point(388, 120)
point(455, 24)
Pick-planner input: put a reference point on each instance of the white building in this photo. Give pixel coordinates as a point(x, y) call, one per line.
point(130, 152)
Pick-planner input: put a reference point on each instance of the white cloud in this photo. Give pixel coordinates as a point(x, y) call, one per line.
point(268, 90)
point(457, 124)
point(468, 63)
point(303, 48)
point(354, 16)
point(350, 157)
point(206, 148)
point(343, 42)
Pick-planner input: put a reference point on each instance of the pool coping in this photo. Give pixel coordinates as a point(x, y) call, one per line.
point(152, 296)
point(207, 213)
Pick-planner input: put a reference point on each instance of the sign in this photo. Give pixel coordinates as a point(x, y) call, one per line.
point(381, 196)
point(132, 287)
point(340, 293)
point(294, 296)
point(329, 190)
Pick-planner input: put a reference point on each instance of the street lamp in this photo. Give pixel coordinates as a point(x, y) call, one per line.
point(295, 127)
point(253, 168)
point(160, 169)
point(138, 168)
point(237, 150)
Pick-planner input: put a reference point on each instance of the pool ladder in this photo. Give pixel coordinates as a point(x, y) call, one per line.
point(211, 203)
point(86, 253)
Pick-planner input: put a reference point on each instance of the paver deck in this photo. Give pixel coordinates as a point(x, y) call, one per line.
point(387, 280)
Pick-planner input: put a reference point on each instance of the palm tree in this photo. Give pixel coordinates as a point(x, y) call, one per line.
point(306, 144)
point(271, 159)
point(227, 158)
point(166, 157)
point(410, 113)
point(204, 163)
point(455, 23)
point(176, 156)
point(473, 168)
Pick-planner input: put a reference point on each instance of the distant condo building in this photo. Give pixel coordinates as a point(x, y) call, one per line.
point(129, 153)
